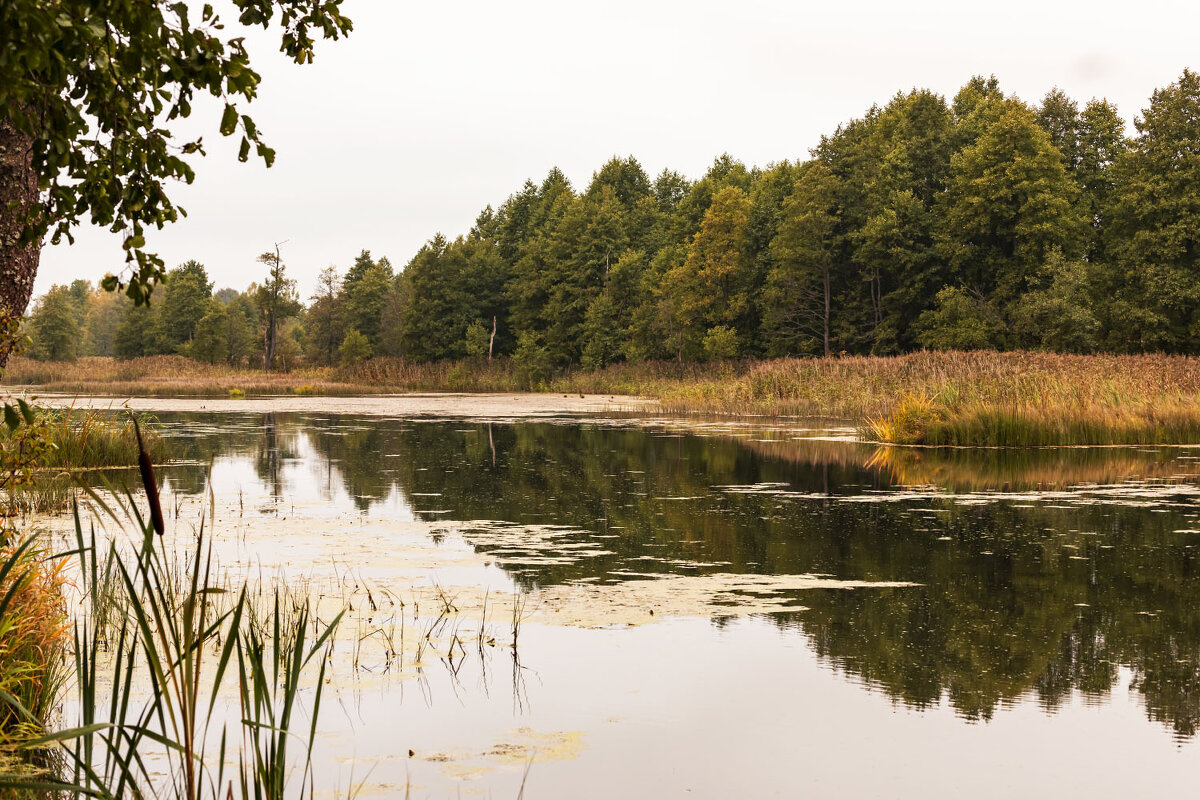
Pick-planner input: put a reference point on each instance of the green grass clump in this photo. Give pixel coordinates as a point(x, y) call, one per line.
point(91, 439)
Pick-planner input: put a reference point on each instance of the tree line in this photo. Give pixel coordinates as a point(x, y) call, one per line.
point(979, 222)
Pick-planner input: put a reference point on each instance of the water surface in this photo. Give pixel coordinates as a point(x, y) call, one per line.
point(717, 610)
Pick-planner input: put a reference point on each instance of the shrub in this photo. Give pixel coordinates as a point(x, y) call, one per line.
point(355, 349)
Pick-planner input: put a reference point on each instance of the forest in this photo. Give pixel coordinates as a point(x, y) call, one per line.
point(982, 222)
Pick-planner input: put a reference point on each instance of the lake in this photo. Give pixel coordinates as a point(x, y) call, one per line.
point(618, 606)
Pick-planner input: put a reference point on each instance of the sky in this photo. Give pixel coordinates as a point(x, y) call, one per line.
point(428, 112)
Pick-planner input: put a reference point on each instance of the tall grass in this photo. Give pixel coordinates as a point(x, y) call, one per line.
point(33, 635)
point(976, 398)
point(152, 651)
point(71, 440)
point(90, 439)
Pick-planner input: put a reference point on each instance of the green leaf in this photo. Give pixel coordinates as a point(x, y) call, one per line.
point(229, 120)
point(26, 411)
point(11, 418)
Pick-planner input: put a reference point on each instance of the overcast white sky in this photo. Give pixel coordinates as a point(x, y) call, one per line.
point(432, 110)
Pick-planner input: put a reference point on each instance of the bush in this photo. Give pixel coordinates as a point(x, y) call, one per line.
point(355, 349)
point(960, 321)
point(478, 341)
point(720, 343)
point(532, 360)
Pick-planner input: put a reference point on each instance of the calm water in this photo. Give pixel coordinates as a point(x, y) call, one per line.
point(1047, 640)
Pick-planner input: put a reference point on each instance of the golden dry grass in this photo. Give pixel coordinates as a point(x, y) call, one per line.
point(945, 398)
point(34, 635)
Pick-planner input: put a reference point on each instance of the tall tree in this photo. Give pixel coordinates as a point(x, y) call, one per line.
point(55, 324)
point(185, 301)
point(105, 313)
point(1101, 143)
point(798, 299)
point(324, 318)
point(364, 290)
point(1155, 222)
point(1008, 203)
point(1059, 117)
point(276, 299)
point(713, 284)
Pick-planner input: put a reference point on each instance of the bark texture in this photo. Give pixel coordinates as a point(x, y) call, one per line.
point(18, 261)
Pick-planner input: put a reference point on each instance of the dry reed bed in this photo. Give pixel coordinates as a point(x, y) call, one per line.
point(947, 398)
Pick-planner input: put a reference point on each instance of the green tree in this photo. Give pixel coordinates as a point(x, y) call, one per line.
point(588, 240)
point(1058, 115)
point(720, 343)
point(55, 326)
point(712, 285)
point(276, 300)
point(89, 98)
point(1058, 313)
point(186, 291)
point(798, 297)
point(104, 315)
point(1008, 203)
point(210, 339)
point(355, 348)
point(364, 291)
point(601, 334)
point(1101, 143)
point(454, 283)
point(960, 320)
point(902, 163)
point(478, 341)
point(241, 325)
point(324, 318)
point(139, 333)
point(533, 360)
point(1154, 233)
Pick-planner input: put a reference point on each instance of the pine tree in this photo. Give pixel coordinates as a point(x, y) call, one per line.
point(1154, 235)
point(186, 293)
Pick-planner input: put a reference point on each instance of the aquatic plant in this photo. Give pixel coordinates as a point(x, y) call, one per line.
point(33, 636)
point(167, 637)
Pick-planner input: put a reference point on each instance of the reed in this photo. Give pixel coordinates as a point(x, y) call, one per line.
point(152, 651)
point(942, 398)
point(33, 638)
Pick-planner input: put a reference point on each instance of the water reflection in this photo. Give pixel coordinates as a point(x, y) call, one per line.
point(1041, 572)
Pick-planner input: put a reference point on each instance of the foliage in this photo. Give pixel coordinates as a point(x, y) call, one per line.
point(720, 342)
point(477, 341)
point(961, 320)
point(983, 222)
point(355, 347)
point(533, 360)
point(99, 92)
point(55, 326)
point(33, 638)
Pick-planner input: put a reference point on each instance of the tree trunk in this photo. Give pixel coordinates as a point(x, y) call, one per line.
point(269, 343)
point(18, 262)
point(826, 319)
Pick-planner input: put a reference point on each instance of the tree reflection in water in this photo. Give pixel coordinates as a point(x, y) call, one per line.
point(1034, 580)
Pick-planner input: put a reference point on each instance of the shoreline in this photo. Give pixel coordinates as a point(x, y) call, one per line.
point(975, 398)
point(420, 404)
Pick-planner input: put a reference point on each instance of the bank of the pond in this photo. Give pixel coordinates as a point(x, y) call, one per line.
point(947, 398)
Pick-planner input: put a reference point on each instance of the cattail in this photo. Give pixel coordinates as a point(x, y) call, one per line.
point(147, 470)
